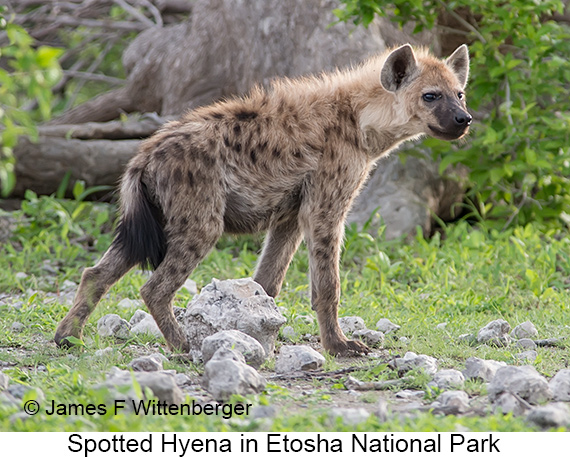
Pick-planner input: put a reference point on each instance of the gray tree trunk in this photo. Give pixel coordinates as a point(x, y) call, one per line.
point(225, 48)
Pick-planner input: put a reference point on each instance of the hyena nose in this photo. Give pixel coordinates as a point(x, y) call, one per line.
point(463, 119)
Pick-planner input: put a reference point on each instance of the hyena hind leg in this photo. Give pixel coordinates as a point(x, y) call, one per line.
point(95, 282)
point(182, 257)
point(281, 242)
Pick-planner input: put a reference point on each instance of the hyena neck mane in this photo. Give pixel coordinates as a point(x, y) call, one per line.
point(382, 118)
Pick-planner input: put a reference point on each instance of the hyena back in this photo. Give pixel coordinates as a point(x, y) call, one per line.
point(289, 160)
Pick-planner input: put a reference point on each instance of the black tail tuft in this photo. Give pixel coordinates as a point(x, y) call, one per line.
point(140, 233)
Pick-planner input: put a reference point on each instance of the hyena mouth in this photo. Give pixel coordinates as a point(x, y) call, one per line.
point(447, 135)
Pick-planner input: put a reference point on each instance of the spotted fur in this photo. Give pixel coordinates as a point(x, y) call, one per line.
point(288, 160)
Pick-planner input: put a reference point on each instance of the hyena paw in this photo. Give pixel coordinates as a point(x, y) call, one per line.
point(179, 344)
point(68, 334)
point(66, 341)
point(348, 348)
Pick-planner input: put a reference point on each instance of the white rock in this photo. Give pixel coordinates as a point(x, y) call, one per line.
point(4, 381)
point(495, 333)
point(371, 337)
point(161, 383)
point(385, 326)
point(411, 361)
point(507, 403)
point(350, 416)
point(560, 385)
point(523, 381)
point(298, 358)
point(467, 338)
point(263, 412)
point(526, 343)
point(410, 394)
point(147, 325)
point(17, 327)
point(441, 326)
point(476, 368)
point(527, 356)
point(113, 325)
point(446, 379)
point(190, 286)
point(68, 285)
point(138, 316)
point(551, 415)
point(350, 324)
point(103, 352)
point(238, 304)
point(382, 412)
point(19, 391)
point(225, 376)
point(182, 379)
point(525, 330)
point(289, 333)
point(451, 402)
point(249, 347)
point(127, 303)
point(146, 363)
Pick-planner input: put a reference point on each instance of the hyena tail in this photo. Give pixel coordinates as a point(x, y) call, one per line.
point(140, 236)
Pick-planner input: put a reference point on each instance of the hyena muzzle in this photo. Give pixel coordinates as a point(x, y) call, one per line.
point(288, 160)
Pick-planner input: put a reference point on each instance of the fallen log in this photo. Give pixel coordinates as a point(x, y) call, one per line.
point(115, 130)
point(42, 166)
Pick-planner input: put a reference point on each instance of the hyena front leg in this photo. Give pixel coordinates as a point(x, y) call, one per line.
point(281, 242)
point(324, 238)
point(187, 246)
point(95, 282)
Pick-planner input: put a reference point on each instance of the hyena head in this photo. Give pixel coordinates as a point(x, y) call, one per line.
point(430, 90)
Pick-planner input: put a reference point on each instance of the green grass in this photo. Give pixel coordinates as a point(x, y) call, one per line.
point(464, 276)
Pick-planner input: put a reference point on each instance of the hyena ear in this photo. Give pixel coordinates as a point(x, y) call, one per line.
point(459, 63)
point(399, 68)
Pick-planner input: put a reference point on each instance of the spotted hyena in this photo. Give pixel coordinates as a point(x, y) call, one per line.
point(289, 160)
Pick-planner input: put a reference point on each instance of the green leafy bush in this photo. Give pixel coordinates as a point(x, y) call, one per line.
point(519, 153)
point(25, 93)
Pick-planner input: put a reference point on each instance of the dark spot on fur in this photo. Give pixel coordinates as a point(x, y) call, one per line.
point(184, 220)
point(237, 129)
point(322, 254)
point(245, 115)
point(191, 246)
point(217, 116)
point(237, 147)
point(297, 154)
point(160, 154)
point(190, 178)
point(177, 175)
point(326, 240)
point(226, 142)
point(276, 152)
point(263, 146)
point(253, 157)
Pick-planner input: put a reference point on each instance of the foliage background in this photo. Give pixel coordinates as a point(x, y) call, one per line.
point(519, 153)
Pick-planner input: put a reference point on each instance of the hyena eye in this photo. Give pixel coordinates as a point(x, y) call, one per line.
point(430, 97)
point(460, 95)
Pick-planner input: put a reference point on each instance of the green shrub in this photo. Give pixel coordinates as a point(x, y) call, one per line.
point(519, 153)
point(25, 93)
